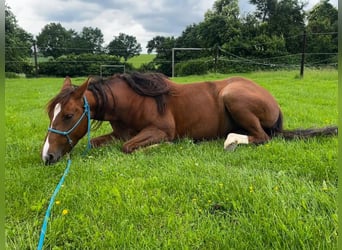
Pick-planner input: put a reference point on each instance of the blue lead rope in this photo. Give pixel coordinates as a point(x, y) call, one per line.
point(87, 110)
point(48, 211)
point(59, 185)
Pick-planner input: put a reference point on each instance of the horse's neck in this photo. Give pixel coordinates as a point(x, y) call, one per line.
point(92, 103)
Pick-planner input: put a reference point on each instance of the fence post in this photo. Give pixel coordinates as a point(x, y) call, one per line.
point(35, 58)
point(173, 62)
point(303, 54)
point(216, 57)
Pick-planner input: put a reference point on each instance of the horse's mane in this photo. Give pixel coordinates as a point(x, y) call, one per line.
point(100, 88)
point(149, 84)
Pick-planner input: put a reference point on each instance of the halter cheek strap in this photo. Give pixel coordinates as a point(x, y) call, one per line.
point(86, 112)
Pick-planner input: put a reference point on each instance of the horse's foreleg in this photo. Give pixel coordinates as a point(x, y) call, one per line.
point(145, 138)
point(102, 140)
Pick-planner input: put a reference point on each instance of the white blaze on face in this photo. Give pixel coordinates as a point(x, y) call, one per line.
point(56, 111)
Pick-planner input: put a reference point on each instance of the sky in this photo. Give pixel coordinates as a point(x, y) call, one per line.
point(143, 19)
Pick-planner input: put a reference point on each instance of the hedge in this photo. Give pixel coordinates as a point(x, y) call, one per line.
point(80, 65)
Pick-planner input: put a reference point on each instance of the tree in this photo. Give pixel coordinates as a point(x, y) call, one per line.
point(289, 22)
point(125, 46)
point(155, 44)
point(228, 8)
point(163, 47)
point(214, 31)
point(91, 40)
point(190, 38)
point(322, 32)
point(221, 25)
point(284, 18)
point(264, 9)
point(54, 40)
point(18, 45)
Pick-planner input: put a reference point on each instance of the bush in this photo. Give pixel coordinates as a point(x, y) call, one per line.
point(79, 65)
point(14, 75)
point(23, 67)
point(148, 67)
point(192, 67)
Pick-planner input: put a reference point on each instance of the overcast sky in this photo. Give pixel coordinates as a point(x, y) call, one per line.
point(143, 19)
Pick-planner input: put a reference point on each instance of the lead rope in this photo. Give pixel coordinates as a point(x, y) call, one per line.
point(87, 109)
point(59, 185)
point(52, 201)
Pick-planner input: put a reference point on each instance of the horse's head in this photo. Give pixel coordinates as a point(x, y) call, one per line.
point(68, 113)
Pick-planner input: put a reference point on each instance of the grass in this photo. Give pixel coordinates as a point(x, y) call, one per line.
point(137, 61)
point(185, 195)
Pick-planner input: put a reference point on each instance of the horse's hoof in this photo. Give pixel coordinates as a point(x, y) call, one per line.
point(231, 147)
point(233, 140)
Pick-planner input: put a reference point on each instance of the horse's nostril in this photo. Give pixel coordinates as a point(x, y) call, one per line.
point(48, 159)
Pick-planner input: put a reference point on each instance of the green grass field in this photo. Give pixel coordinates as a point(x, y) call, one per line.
point(137, 61)
point(280, 195)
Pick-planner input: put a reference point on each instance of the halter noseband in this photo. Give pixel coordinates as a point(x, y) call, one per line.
point(86, 112)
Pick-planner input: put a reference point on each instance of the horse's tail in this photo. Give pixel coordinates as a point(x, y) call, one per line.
point(307, 133)
point(278, 131)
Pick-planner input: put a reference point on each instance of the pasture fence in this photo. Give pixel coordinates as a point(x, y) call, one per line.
point(217, 59)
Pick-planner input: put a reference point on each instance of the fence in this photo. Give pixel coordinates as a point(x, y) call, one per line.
point(220, 57)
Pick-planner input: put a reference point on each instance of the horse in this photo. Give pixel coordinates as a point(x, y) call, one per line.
point(144, 109)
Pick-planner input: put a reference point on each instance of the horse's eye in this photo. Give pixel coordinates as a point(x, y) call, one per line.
point(68, 116)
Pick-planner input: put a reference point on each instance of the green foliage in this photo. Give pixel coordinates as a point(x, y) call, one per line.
point(288, 21)
point(90, 39)
point(18, 45)
point(54, 40)
point(192, 67)
point(221, 24)
point(13, 75)
point(163, 47)
point(273, 31)
point(265, 9)
point(322, 22)
point(185, 195)
point(79, 65)
point(125, 46)
point(148, 67)
point(268, 46)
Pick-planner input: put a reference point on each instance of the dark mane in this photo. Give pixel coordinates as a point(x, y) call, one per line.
point(100, 88)
point(149, 84)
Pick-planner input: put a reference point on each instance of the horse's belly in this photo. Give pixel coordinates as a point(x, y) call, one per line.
point(205, 127)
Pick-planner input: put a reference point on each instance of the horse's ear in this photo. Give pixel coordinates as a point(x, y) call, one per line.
point(67, 83)
point(79, 92)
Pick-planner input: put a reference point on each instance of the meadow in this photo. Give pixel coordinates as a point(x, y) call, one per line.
point(137, 61)
point(184, 195)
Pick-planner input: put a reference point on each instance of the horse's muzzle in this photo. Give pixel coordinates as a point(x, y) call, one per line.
point(50, 158)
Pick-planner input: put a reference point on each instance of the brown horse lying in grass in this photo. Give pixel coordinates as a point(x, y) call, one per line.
point(145, 109)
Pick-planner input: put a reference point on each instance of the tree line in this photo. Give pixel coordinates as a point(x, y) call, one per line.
point(268, 38)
